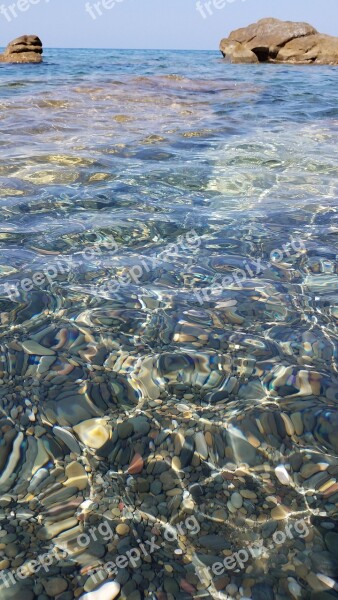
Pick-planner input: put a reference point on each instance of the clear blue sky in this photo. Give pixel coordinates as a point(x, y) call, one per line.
point(152, 23)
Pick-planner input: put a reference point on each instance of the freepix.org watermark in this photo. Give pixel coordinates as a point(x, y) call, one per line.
point(54, 554)
point(132, 557)
point(12, 11)
point(206, 8)
point(50, 273)
point(190, 242)
point(237, 561)
point(96, 9)
point(251, 269)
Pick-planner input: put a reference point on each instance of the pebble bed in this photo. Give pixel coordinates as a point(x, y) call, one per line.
point(205, 428)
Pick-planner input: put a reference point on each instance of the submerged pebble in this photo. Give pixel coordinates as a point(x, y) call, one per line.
point(108, 591)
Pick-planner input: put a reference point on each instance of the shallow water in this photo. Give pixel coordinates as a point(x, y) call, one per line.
point(168, 314)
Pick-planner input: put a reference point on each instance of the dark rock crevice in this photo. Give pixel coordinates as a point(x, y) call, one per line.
point(262, 54)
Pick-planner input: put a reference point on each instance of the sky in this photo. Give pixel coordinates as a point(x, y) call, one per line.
point(165, 24)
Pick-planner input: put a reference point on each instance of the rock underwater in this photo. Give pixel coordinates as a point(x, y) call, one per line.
point(24, 49)
point(272, 40)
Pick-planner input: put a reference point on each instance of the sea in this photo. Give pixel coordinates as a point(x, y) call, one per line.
point(168, 328)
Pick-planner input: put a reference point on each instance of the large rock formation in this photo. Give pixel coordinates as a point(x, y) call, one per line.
point(272, 40)
point(25, 49)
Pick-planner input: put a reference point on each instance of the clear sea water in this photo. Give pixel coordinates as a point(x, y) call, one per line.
point(168, 267)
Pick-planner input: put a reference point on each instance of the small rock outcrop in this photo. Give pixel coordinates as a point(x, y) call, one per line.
point(272, 40)
point(235, 52)
point(24, 49)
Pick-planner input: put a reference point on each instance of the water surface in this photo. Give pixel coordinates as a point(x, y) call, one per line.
point(168, 314)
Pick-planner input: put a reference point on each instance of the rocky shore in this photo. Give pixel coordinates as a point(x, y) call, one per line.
point(24, 49)
point(272, 40)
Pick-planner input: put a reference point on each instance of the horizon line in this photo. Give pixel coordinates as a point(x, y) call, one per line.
point(139, 49)
point(127, 49)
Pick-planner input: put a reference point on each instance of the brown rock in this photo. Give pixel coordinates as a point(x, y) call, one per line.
point(21, 48)
point(136, 465)
point(122, 529)
point(234, 52)
point(320, 49)
point(31, 40)
point(272, 40)
point(25, 49)
point(267, 36)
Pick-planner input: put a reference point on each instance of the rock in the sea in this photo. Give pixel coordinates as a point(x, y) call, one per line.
point(266, 37)
point(272, 40)
point(107, 591)
point(331, 541)
point(136, 465)
point(234, 52)
point(93, 433)
point(325, 563)
point(262, 591)
point(55, 586)
point(319, 49)
point(25, 49)
point(282, 475)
